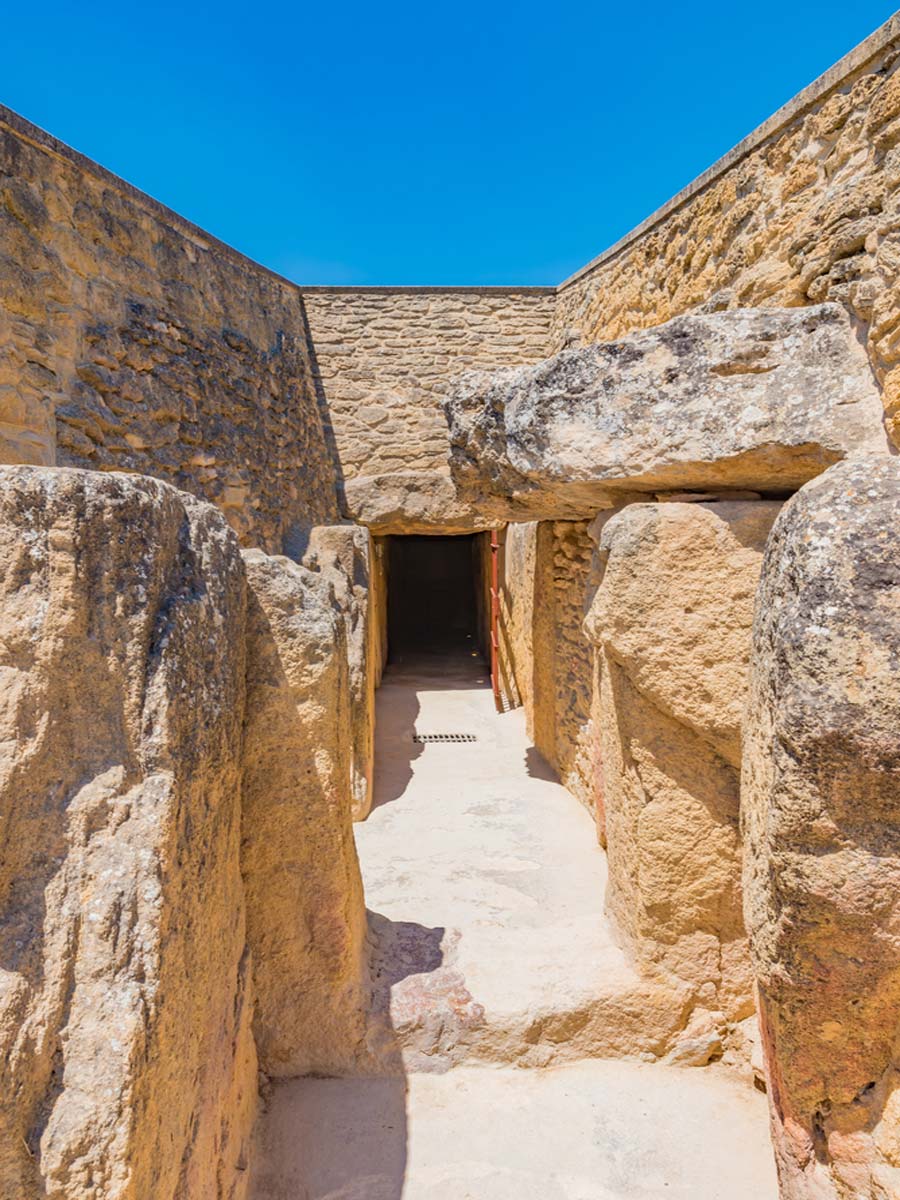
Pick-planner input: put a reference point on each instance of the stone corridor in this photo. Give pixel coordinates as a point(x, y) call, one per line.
point(485, 887)
point(278, 923)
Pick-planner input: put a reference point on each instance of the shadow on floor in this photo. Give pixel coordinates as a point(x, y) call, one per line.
point(347, 1139)
point(335, 1139)
point(403, 948)
point(538, 767)
point(397, 708)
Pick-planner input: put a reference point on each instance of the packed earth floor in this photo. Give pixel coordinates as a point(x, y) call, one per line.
point(505, 993)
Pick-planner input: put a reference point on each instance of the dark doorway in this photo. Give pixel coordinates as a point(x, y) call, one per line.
point(431, 595)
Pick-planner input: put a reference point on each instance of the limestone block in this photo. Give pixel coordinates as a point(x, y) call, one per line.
point(129, 342)
point(672, 620)
point(416, 502)
point(821, 815)
point(344, 554)
point(127, 1066)
point(305, 911)
point(805, 213)
point(762, 399)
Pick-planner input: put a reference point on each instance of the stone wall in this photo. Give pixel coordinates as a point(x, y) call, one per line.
point(563, 662)
point(384, 361)
point(546, 662)
point(127, 1065)
point(807, 209)
point(131, 341)
point(517, 608)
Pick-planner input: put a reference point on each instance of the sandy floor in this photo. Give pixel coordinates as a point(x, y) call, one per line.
point(477, 854)
point(588, 1131)
point(485, 886)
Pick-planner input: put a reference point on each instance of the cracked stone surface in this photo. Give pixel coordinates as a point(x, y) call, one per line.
point(763, 399)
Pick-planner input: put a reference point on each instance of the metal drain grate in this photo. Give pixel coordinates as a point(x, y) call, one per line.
point(445, 737)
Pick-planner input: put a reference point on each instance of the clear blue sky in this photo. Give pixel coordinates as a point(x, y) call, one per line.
point(413, 143)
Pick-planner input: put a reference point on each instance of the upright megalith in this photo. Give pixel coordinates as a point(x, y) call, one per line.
point(344, 554)
point(127, 1066)
point(306, 916)
point(752, 398)
point(821, 818)
point(671, 622)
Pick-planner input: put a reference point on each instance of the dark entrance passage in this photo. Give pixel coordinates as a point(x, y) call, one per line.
point(432, 595)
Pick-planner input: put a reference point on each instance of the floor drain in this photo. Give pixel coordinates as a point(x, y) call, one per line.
point(445, 737)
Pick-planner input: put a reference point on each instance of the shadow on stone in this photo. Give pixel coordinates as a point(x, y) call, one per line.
point(403, 948)
point(342, 1138)
point(396, 712)
point(538, 767)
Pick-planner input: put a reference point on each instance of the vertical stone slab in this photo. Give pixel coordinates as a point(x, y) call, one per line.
point(821, 816)
point(517, 585)
point(306, 916)
point(541, 715)
point(345, 555)
point(671, 619)
point(127, 1066)
point(553, 658)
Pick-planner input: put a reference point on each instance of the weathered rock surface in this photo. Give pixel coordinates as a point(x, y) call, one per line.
point(821, 814)
point(752, 398)
point(672, 620)
point(344, 555)
point(411, 502)
point(807, 212)
point(306, 919)
point(127, 1066)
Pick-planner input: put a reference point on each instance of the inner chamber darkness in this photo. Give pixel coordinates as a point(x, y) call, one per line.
point(432, 594)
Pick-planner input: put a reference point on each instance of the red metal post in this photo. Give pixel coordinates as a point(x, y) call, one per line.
point(495, 618)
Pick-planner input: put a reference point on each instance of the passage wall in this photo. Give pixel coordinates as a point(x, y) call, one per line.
point(806, 209)
point(129, 340)
point(385, 360)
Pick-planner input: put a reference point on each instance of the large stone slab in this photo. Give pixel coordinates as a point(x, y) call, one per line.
point(821, 816)
point(344, 556)
point(671, 620)
point(127, 1065)
point(753, 398)
point(415, 502)
point(306, 919)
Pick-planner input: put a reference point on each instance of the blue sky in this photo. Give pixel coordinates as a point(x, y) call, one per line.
point(411, 143)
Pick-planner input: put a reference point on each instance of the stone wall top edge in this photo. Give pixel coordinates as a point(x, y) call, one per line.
point(426, 290)
point(43, 140)
point(859, 57)
point(34, 135)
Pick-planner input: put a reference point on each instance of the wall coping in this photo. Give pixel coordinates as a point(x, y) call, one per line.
point(858, 58)
point(834, 77)
point(428, 289)
point(42, 140)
